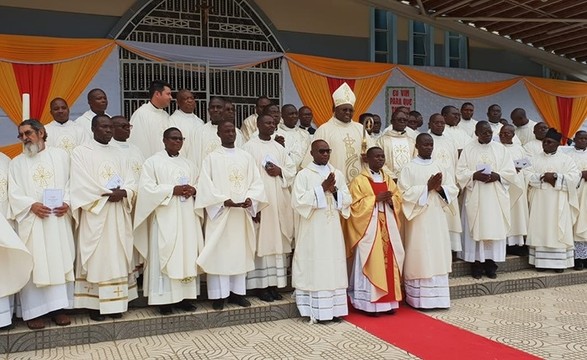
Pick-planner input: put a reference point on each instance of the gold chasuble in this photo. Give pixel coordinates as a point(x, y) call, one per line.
point(372, 231)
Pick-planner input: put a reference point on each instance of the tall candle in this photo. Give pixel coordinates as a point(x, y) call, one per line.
point(26, 106)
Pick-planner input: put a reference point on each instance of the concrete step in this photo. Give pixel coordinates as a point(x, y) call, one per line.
point(512, 263)
point(140, 322)
point(508, 282)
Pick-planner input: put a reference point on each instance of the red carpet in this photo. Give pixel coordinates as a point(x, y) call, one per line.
point(429, 338)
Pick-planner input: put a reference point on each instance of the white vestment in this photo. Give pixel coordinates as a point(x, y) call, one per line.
point(553, 211)
point(446, 155)
point(230, 246)
point(275, 230)
point(486, 206)
point(496, 128)
point(468, 126)
point(105, 237)
point(249, 126)
point(580, 228)
point(413, 134)
point(4, 205)
point(65, 136)
point(188, 124)
point(398, 148)
point(175, 230)
point(459, 136)
point(319, 269)
point(427, 241)
point(149, 123)
point(207, 141)
point(519, 204)
point(533, 147)
point(85, 121)
point(345, 140)
point(50, 240)
point(297, 143)
point(525, 133)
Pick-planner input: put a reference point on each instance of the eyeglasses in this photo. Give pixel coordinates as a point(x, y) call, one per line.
point(324, 151)
point(125, 126)
point(175, 138)
point(27, 133)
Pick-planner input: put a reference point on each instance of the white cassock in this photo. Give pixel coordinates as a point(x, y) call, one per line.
point(446, 155)
point(345, 140)
point(65, 136)
point(553, 211)
point(188, 124)
point(533, 147)
point(229, 249)
point(276, 228)
point(16, 264)
point(398, 148)
point(149, 123)
point(249, 126)
point(319, 268)
point(519, 204)
point(49, 240)
point(468, 126)
point(496, 127)
point(580, 229)
point(4, 205)
point(413, 134)
point(297, 143)
point(486, 206)
point(427, 243)
point(105, 241)
point(459, 136)
point(207, 141)
point(85, 121)
point(135, 159)
point(525, 133)
point(171, 273)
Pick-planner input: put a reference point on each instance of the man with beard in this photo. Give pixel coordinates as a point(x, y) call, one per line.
point(103, 191)
point(39, 196)
point(98, 102)
point(61, 132)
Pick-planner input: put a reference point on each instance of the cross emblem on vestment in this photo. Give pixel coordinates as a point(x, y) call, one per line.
point(118, 291)
point(41, 176)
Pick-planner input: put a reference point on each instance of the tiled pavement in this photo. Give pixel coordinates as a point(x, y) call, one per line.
point(549, 323)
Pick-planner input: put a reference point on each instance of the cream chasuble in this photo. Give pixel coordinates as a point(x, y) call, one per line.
point(105, 237)
point(207, 141)
point(427, 241)
point(50, 240)
point(4, 206)
point(518, 200)
point(345, 140)
point(533, 147)
point(149, 123)
point(65, 136)
point(525, 133)
point(249, 126)
point(319, 262)
point(188, 124)
point(229, 173)
point(413, 134)
point(175, 229)
point(16, 262)
point(580, 158)
point(85, 122)
point(553, 210)
point(487, 205)
point(398, 148)
point(459, 136)
point(297, 143)
point(468, 126)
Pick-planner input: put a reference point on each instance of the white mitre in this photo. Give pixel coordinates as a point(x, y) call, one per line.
point(344, 95)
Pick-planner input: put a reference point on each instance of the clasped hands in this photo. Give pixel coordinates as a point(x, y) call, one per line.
point(329, 184)
point(486, 178)
point(184, 190)
point(549, 177)
point(245, 204)
point(43, 212)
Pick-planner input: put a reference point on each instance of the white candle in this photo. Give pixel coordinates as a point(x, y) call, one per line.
point(26, 106)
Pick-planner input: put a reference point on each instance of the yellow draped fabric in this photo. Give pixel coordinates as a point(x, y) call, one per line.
point(456, 89)
point(10, 100)
point(570, 89)
point(578, 115)
point(309, 75)
point(46, 50)
point(546, 105)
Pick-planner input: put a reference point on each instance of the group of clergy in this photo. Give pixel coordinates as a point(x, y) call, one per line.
point(366, 210)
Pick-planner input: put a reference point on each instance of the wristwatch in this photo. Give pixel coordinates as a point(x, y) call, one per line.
point(555, 176)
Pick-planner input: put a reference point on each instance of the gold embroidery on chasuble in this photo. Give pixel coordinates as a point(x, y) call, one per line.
point(106, 171)
point(401, 154)
point(3, 187)
point(236, 177)
point(66, 144)
point(350, 164)
point(137, 167)
point(42, 176)
point(331, 212)
point(486, 158)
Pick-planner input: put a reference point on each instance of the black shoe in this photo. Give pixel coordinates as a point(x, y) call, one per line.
point(239, 300)
point(579, 264)
point(336, 319)
point(275, 294)
point(165, 309)
point(490, 268)
point(476, 270)
point(559, 271)
point(7, 327)
point(96, 316)
point(186, 305)
point(218, 304)
point(264, 295)
point(540, 269)
point(116, 315)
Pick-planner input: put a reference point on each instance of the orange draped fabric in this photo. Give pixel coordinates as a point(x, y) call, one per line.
point(10, 99)
point(46, 50)
point(456, 89)
point(337, 68)
point(570, 89)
